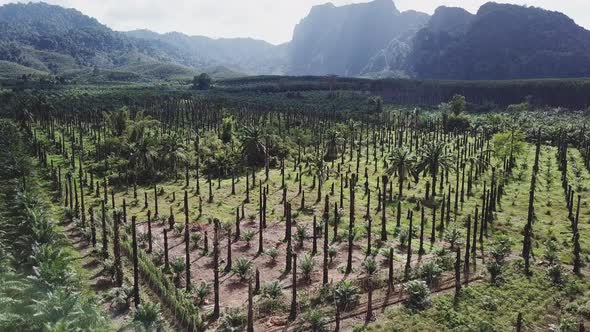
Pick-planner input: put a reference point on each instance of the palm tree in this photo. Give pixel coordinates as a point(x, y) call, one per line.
point(332, 147)
point(243, 268)
point(233, 320)
point(173, 151)
point(143, 155)
point(403, 163)
point(370, 268)
point(434, 158)
point(140, 126)
point(117, 120)
point(253, 146)
point(148, 317)
point(346, 294)
point(178, 266)
point(317, 166)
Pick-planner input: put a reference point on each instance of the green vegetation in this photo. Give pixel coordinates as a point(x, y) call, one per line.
point(40, 287)
point(394, 208)
point(13, 71)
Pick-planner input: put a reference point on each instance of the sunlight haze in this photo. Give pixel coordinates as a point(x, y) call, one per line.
point(269, 20)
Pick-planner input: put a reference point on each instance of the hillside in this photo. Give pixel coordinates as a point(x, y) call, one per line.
point(246, 55)
point(500, 42)
point(11, 70)
point(65, 42)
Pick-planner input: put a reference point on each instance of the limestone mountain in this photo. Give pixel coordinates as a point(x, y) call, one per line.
point(500, 42)
point(342, 40)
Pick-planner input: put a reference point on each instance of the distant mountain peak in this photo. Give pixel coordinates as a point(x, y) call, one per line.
point(385, 5)
point(502, 41)
point(341, 40)
point(450, 19)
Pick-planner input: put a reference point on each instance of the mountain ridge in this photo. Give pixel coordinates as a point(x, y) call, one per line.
point(373, 39)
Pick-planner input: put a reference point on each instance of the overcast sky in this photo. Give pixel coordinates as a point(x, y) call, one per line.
point(270, 20)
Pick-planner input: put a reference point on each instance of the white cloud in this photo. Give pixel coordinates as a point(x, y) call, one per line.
point(271, 20)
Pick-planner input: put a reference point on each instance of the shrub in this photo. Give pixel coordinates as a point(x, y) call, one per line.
point(555, 274)
point(148, 317)
point(233, 320)
point(158, 256)
point(203, 290)
point(316, 320)
point(551, 254)
point(120, 297)
point(500, 249)
point(273, 253)
point(453, 235)
point(300, 235)
point(307, 265)
point(418, 295)
point(489, 303)
point(584, 310)
point(573, 288)
point(178, 228)
point(369, 266)
point(196, 239)
point(143, 239)
point(495, 270)
point(430, 272)
point(178, 266)
point(332, 253)
point(567, 324)
point(272, 290)
point(445, 259)
point(242, 268)
point(248, 236)
point(109, 269)
point(403, 238)
point(384, 252)
point(346, 295)
point(272, 297)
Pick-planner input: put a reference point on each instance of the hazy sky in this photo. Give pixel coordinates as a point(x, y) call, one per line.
point(271, 20)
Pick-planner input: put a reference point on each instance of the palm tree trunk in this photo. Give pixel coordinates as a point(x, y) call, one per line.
point(293, 312)
point(434, 178)
point(166, 260)
point(228, 265)
point(92, 228)
point(149, 223)
point(105, 241)
point(457, 277)
point(135, 263)
point(369, 316)
point(409, 251)
point(187, 251)
point(117, 250)
point(384, 179)
point(351, 224)
point(250, 327)
point(401, 182)
point(215, 313)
